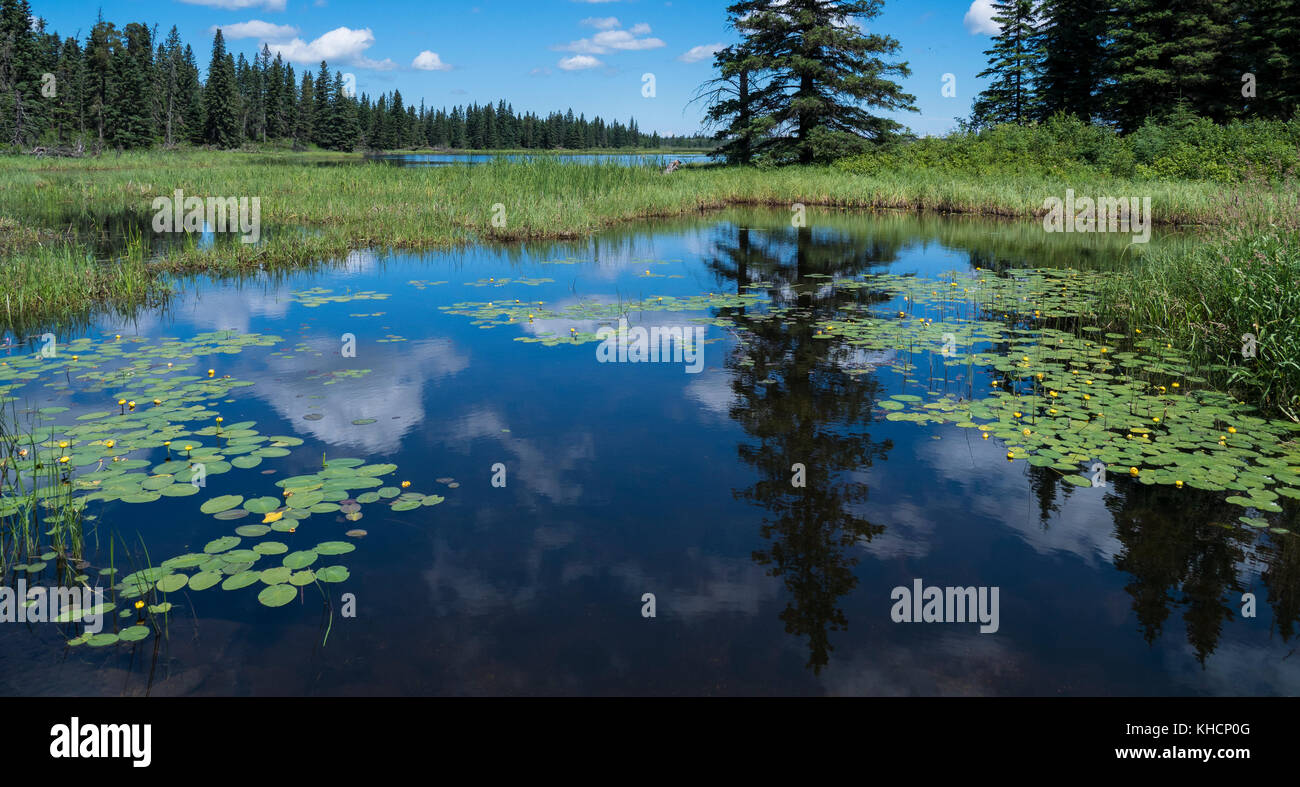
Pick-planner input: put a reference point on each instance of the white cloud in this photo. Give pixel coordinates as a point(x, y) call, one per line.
point(429, 61)
point(610, 40)
point(342, 45)
point(702, 52)
point(255, 28)
point(239, 5)
point(979, 19)
point(601, 22)
point(579, 62)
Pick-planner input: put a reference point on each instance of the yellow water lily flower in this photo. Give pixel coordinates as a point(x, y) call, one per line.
point(272, 516)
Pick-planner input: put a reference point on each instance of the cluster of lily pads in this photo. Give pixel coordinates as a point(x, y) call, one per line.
point(1063, 394)
point(1030, 368)
point(493, 281)
point(154, 404)
point(319, 296)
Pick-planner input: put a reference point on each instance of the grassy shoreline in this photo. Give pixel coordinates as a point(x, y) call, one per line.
point(53, 210)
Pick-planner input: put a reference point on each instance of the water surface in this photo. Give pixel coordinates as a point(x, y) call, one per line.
point(623, 479)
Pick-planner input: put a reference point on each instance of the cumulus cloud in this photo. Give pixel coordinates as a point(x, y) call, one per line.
point(979, 18)
point(429, 61)
point(702, 52)
point(610, 40)
point(340, 45)
point(579, 62)
point(255, 28)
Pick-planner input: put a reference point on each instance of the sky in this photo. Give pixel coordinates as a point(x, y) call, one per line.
point(613, 58)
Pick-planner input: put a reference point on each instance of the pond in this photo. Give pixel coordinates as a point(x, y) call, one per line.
point(459, 488)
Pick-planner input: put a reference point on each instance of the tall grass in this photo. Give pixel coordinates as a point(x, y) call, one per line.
point(38, 509)
point(60, 220)
point(1206, 298)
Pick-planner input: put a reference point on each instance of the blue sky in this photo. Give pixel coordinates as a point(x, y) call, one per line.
point(541, 55)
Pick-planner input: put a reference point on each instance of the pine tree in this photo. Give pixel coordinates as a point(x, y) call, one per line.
point(1014, 64)
point(822, 69)
point(220, 99)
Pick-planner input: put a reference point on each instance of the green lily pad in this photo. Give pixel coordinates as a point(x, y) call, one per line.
point(277, 595)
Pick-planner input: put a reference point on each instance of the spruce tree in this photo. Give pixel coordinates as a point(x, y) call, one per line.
point(322, 126)
point(19, 74)
point(303, 130)
point(1072, 44)
point(346, 133)
point(1266, 44)
point(190, 91)
point(1166, 56)
point(221, 125)
point(738, 104)
point(823, 69)
point(130, 103)
point(1014, 63)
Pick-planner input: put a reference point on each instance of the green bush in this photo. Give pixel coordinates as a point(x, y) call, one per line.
point(1183, 147)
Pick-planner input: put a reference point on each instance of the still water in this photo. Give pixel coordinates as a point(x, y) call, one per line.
point(626, 479)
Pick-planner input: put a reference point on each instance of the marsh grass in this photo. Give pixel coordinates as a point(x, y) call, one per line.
point(1207, 297)
point(54, 212)
point(38, 511)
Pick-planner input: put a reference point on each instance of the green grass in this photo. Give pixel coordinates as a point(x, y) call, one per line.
point(75, 234)
point(1206, 297)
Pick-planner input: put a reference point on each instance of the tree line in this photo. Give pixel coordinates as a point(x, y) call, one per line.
point(1119, 62)
point(125, 88)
